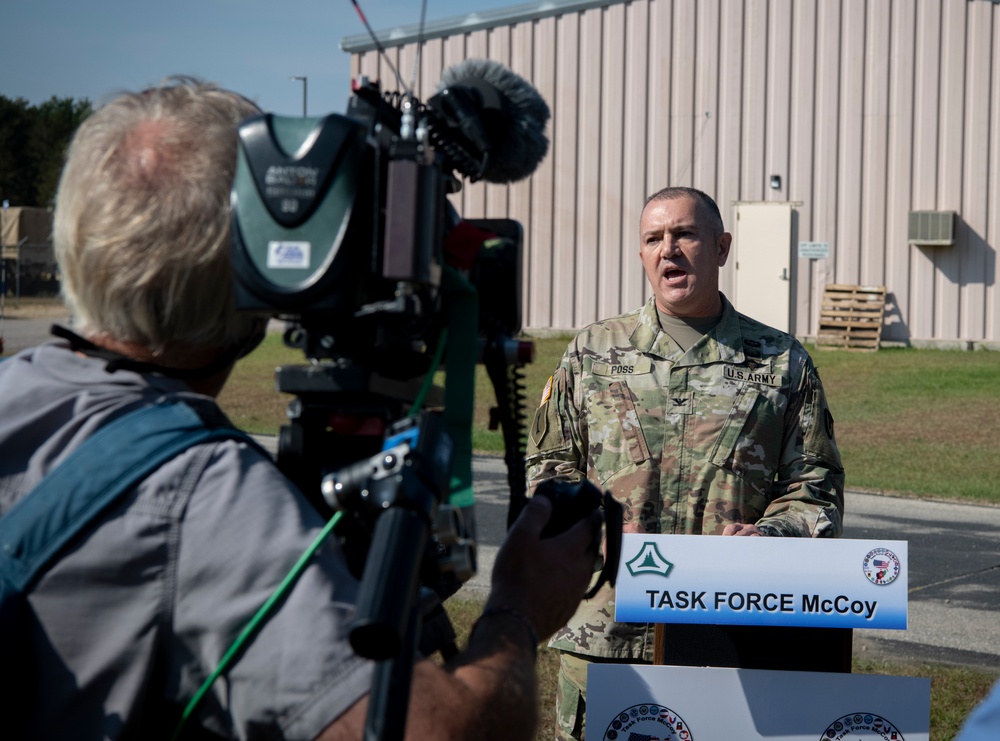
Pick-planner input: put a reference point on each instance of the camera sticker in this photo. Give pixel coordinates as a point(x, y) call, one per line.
point(288, 254)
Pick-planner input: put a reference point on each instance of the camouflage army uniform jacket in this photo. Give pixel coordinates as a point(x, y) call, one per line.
point(735, 430)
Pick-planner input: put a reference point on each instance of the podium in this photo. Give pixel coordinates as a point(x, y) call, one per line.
point(762, 628)
point(752, 647)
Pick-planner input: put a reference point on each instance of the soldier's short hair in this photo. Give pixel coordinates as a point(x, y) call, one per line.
point(675, 191)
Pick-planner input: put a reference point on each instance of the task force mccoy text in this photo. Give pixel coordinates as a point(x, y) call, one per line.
point(756, 602)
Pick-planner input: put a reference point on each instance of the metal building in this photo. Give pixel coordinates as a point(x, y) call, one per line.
point(846, 141)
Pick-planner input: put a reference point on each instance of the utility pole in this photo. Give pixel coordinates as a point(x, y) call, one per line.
point(303, 79)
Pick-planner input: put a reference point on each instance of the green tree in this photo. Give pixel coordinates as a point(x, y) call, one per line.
point(33, 142)
point(54, 124)
point(16, 177)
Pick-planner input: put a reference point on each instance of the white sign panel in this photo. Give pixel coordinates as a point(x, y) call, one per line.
point(814, 250)
point(805, 582)
point(680, 703)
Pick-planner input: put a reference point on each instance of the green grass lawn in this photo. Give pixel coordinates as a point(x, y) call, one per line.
point(916, 422)
point(922, 422)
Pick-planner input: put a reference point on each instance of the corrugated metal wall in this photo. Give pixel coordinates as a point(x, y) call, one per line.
point(866, 109)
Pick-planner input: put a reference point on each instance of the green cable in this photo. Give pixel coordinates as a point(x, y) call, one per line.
point(255, 622)
point(264, 612)
point(462, 310)
point(425, 388)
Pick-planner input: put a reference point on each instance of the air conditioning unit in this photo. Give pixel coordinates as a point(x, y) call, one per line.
point(931, 228)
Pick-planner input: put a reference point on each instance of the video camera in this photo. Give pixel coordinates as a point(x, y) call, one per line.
point(342, 227)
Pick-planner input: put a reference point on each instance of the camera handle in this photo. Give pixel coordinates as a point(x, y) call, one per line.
point(388, 703)
point(388, 593)
point(385, 612)
point(406, 483)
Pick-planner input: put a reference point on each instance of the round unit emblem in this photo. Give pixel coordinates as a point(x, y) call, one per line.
point(861, 727)
point(881, 566)
point(647, 722)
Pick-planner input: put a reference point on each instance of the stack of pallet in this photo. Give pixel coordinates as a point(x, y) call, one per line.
point(851, 317)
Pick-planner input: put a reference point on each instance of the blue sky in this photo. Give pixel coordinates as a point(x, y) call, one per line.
point(75, 49)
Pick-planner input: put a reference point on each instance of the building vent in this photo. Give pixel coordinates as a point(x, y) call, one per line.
point(932, 228)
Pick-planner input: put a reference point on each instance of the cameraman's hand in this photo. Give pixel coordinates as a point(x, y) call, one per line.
point(545, 580)
point(490, 691)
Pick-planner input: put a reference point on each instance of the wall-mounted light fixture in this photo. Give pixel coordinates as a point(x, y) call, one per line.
point(776, 182)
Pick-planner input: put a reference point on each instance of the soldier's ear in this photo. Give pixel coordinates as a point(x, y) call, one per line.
point(725, 243)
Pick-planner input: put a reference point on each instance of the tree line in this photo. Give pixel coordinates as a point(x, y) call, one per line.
point(33, 142)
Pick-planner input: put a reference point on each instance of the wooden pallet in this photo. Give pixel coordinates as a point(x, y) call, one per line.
point(851, 317)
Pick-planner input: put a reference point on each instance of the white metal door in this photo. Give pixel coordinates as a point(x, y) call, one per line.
point(762, 254)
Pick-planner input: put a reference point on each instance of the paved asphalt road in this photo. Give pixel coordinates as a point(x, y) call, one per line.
point(954, 551)
point(20, 333)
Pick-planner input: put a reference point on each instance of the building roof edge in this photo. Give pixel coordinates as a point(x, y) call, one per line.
point(401, 35)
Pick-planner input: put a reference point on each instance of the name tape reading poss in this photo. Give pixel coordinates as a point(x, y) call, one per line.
point(821, 583)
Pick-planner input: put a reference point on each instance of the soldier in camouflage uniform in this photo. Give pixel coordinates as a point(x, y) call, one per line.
point(698, 419)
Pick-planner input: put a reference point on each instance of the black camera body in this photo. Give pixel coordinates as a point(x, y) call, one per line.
point(573, 501)
point(342, 223)
point(341, 226)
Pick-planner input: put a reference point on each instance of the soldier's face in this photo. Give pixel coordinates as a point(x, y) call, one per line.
point(682, 253)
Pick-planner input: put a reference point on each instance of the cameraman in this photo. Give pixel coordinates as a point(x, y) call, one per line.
point(136, 612)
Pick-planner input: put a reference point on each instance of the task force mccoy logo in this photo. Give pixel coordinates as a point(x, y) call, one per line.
point(649, 561)
point(648, 723)
point(861, 727)
point(881, 566)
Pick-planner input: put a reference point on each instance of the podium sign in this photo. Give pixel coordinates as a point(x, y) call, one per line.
point(681, 703)
point(805, 582)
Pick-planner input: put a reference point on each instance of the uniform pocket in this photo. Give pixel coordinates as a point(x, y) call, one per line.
point(616, 437)
point(749, 444)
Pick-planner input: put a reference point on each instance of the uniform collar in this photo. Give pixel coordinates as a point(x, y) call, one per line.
point(723, 345)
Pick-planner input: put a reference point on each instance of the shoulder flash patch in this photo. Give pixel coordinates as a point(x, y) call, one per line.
point(546, 392)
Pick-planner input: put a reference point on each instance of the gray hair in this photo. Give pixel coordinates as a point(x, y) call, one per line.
point(672, 192)
point(141, 226)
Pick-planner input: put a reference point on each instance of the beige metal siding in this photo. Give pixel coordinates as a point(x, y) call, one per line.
point(866, 109)
point(992, 230)
point(645, 118)
point(730, 114)
point(810, 275)
point(976, 174)
point(608, 203)
point(901, 143)
point(950, 147)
